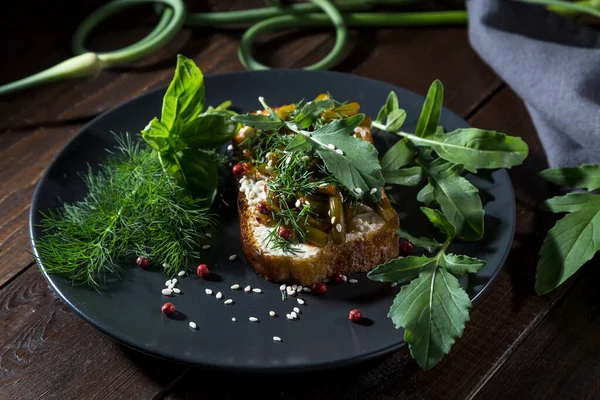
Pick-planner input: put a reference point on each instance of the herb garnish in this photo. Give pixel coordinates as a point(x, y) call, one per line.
point(434, 308)
point(574, 239)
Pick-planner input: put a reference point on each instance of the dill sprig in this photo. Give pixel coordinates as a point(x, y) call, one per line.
point(133, 207)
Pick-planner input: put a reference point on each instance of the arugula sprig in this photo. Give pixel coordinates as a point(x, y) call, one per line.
point(185, 137)
point(440, 159)
point(575, 238)
point(433, 308)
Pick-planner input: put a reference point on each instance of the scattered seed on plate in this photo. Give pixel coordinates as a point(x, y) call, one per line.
point(276, 338)
point(247, 289)
point(394, 284)
point(253, 319)
point(175, 290)
point(345, 278)
point(228, 301)
point(282, 287)
point(294, 315)
point(219, 295)
point(209, 235)
point(181, 273)
point(289, 316)
point(296, 310)
point(168, 283)
point(171, 286)
point(235, 287)
point(326, 280)
point(299, 289)
point(300, 301)
point(206, 246)
point(165, 265)
point(294, 286)
point(167, 292)
point(272, 313)
point(193, 325)
point(257, 290)
point(306, 289)
point(232, 257)
point(173, 281)
point(352, 280)
point(208, 291)
point(233, 319)
point(230, 147)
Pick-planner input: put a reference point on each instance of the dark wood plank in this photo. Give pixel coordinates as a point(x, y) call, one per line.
point(561, 358)
point(500, 319)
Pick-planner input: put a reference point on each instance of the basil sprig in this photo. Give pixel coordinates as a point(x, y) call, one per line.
point(185, 137)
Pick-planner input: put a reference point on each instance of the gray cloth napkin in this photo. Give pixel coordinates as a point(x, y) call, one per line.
point(553, 64)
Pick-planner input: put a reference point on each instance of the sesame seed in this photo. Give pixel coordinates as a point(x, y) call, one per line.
point(394, 284)
point(358, 190)
point(292, 293)
point(361, 228)
point(269, 168)
point(232, 257)
point(165, 265)
point(206, 246)
point(326, 280)
point(307, 203)
point(338, 227)
point(257, 290)
point(332, 220)
point(219, 295)
point(387, 187)
point(247, 289)
point(167, 292)
point(298, 204)
point(276, 339)
point(208, 291)
point(297, 310)
point(289, 316)
point(294, 286)
point(299, 289)
point(173, 281)
point(253, 319)
point(228, 301)
point(168, 283)
point(235, 287)
point(359, 220)
point(272, 313)
point(345, 278)
point(181, 273)
point(209, 235)
point(373, 191)
point(300, 301)
point(332, 147)
point(294, 315)
point(171, 286)
point(230, 147)
point(306, 289)
point(270, 163)
point(305, 158)
point(176, 291)
point(353, 281)
point(233, 319)
point(339, 151)
point(193, 325)
point(329, 213)
point(282, 287)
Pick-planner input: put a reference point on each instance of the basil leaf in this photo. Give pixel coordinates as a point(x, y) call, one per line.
point(208, 131)
point(440, 221)
point(391, 115)
point(476, 148)
point(184, 98)
point(457, 197)
point(433, 310)
point(309, 113)
point(461, 265)
point(401, 270)
point(432, 108)
point(399, 155)
point(157, 136)
point(572, 202)
point(411, 176)
point(259, 121)
point(195, 171)
point(429, 245)
point(586, 176)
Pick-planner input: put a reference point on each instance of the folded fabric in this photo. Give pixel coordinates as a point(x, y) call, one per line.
point(553, 64)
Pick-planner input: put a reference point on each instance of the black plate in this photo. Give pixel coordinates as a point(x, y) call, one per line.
point(323, 337)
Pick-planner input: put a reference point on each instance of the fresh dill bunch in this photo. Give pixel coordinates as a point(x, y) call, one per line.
point(133, 208)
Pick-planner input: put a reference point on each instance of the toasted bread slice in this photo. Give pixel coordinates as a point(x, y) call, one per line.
point(376, 242)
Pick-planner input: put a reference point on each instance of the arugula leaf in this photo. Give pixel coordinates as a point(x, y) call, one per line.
point(425, 195)
point(475, 148)
point(411, 176)
point(357, 167)
point(195, 170)
point(431, 111)
point(208, 131)
point(440, 221)
point(399, 155)
point(184, 98)
point(259, 121)
point(571, 242)
point(157, 136)
point(461, 265)
point(586, 176)
point(309, 113)
point(457, 197)
point(433, 310)
point(401, 270)
point(391, 116)
point(429, 245)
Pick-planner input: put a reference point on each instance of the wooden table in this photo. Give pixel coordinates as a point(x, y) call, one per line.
point(517, 345)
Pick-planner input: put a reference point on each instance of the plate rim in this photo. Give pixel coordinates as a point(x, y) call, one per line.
point(282, 369)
